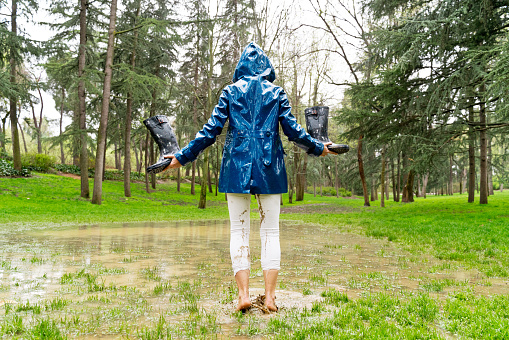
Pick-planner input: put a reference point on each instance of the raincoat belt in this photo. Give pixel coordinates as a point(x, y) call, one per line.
point(253, 133)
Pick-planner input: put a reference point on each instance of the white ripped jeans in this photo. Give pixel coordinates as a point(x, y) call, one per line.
point(268, 206)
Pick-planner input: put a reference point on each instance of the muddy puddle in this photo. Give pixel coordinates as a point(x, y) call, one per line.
point(135, 280)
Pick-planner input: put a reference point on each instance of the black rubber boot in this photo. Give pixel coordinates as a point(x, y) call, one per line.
point(160, 129)
point(317, 126)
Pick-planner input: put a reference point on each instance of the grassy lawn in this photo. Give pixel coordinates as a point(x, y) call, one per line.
point(56, 199)
point(437, 239)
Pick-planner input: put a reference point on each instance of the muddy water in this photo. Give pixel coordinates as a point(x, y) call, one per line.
point(117, 278)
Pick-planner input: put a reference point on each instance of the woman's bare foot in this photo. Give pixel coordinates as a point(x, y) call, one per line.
point(270, 277)
point(270, 303)
point(244, 303)
point(242, 278)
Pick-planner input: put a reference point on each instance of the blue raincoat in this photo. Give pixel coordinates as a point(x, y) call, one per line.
point(253, 153)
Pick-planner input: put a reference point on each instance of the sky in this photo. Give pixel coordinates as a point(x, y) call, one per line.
point(302, 14)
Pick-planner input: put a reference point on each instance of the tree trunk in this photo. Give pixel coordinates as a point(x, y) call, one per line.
point(16, 151)
point(85, 190)
point(460, 181)
point(471, 154)
point(382, 178)
point(336, 182)
point(135, 148)
point(393, 181)
point(408, 190)
point(451, 191)
point(152, 161)
point(386, 180)
point(178, 180)
point(321, 177)
point(209, 178)
point(418, 191)
point(216, 172)
point(301, 179)
point(38, 122)
point(117, 158)
point(147, 188)
point(425, 184)
point(2, 140)
point(501, 187)
point(290, 189)
point(490, 168)
point(101, 135)
point(120, 165)
point(104, 162)
point(300, 163)
point(361, 172)
point(465, 179)
point(62, 155)
point(203, 192)
point(39, 127)
point(75, 149)
point(483, 195)
point(193, 177)
point(373, 184)
point(296, 168)
point(128, 118)
point(398, 178)
point(23, 137)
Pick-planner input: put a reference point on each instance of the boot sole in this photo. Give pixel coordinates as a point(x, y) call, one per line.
point(338, 148)
point(158, 167)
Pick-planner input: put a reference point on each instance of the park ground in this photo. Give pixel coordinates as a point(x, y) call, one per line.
point(437, 268)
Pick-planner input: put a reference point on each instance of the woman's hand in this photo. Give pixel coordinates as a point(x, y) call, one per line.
point(326, 150)
point(175, 164)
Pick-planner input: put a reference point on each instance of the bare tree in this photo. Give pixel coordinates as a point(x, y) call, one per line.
point(335, 28)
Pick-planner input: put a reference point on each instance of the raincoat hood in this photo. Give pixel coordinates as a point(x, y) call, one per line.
point(254, 62)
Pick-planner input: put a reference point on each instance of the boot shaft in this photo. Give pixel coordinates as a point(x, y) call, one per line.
point(163, 135)
point(317, 122)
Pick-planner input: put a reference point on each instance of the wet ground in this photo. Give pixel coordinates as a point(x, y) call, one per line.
point(141, 279)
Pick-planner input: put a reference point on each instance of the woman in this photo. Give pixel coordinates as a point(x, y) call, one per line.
point(252, 162)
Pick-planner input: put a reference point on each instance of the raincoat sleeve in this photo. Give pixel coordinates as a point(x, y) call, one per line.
point(207, 135)
point(294, 131)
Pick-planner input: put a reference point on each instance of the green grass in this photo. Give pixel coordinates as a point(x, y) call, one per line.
point(56, 199)
point(446, 227)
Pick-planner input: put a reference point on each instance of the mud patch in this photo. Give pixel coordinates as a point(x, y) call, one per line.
point(68, 175)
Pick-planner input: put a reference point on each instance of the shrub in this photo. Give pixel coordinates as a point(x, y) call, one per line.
point(38, 162)
point(110, 175)
point(118, 175)
point(329, 191)
point(5, 155)
point(68, 168)
point(7, 170)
